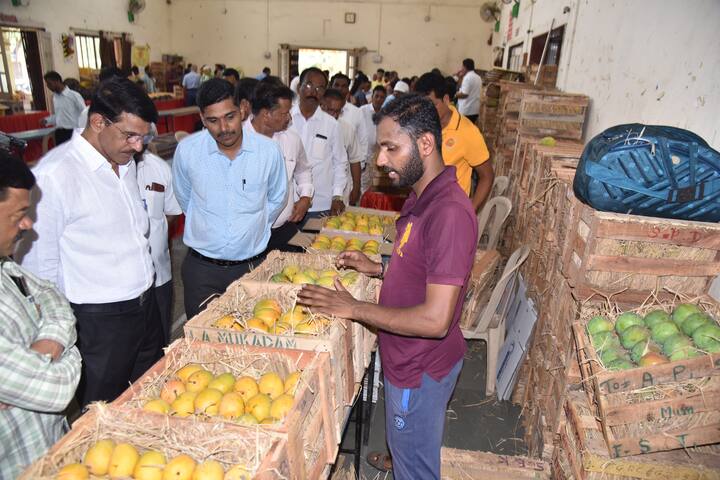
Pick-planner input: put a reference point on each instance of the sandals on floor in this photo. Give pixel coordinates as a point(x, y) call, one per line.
point(381, 461)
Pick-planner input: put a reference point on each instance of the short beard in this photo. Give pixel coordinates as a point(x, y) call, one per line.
point(413, 170)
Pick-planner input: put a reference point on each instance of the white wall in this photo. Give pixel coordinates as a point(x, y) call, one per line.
point(235, 32)
point(647, 61)
point(151, 26)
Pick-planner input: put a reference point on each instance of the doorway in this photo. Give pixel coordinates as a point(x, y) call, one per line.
point(333, 61)
point(16, 86)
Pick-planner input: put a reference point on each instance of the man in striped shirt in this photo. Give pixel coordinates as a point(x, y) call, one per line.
point(40, 366)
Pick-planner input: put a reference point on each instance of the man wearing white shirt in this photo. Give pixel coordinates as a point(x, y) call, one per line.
point(468, 97)
point(351, 114)
point(67, 105)
point(333, 101)
point(323, 142)
point(271, 106)
point(92, 240)
point(154, 179)
point(376, 102)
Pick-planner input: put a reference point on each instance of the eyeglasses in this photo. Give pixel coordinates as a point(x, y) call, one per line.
point(131, 138)
point(311, 87)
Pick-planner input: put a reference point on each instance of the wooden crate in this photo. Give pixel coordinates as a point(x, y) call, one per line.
point(465, 464)
point(636, 255)
point(482, 281)
point(337, 339)
point(263, 451)
point(651, 409)
point(309, 427)
point(552, 113)
point(547, 78)
point(582, 453)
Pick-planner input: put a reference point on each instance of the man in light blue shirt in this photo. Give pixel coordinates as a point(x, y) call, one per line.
point(191, 83)
point(231, 186)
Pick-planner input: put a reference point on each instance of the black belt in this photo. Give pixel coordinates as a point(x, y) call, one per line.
point(113, 306)
point(223, 263)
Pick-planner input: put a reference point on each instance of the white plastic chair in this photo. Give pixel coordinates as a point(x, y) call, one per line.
point(501, 207)
point(500, 185)
point(490, 325)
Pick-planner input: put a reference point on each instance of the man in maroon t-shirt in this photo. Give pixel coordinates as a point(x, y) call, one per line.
point(418, 315)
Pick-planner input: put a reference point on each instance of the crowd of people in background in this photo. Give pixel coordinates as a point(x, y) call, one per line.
point(269, 157)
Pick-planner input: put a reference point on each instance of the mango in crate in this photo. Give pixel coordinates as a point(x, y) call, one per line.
point(640, 349)
point(232, 406)
point(226, 321)
point(238, 472)
point(695, 321)
point(209, 470)
point(291, 382)
point(257, 324)
point(267, 304)
point(663, 331)
point(599, 324)
point(676, 342)
point(184, 405)
point(604, 340)
point(271, 384)
point(223, 382)
point(157, 405)
point(97, 458)
point(207, 402)
point(281, 406)
point(707, 338)
point(247, 387)
point(123, 461)
point(198, 381)
point(171, 390)
point(259, 406)
point(627, 320)
point(179, 468)
point(683, 311)
point(633, 335)
point(655, 317)
point(150, 466)
point(652, 358)
point(73, 471)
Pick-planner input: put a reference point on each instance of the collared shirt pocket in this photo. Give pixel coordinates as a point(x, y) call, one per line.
point(252, 196)
point(155, 204)
point(319, 145)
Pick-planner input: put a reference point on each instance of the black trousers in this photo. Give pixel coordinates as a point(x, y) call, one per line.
point(62, 135)
point(118, 342)
point(203, 280)
point(280, 236)
point(164, 299)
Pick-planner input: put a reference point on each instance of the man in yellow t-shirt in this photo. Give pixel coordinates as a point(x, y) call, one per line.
point(463, 144)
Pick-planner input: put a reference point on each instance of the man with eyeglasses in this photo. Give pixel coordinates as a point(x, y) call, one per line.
point(40, 366)
point(323, 142)
point(231, 185)
point(92, 240)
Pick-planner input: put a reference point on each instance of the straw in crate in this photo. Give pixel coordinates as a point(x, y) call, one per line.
point(283, 390)
point(656, 384)
point(236, 307)
point(180, 447)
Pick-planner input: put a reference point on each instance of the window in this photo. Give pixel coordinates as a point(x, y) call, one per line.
point(515, 57)
point(88, 51)
point(552, 56)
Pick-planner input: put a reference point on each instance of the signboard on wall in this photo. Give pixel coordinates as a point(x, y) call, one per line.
point(140, 55)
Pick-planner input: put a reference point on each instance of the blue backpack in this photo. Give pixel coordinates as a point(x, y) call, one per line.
point(650, 170)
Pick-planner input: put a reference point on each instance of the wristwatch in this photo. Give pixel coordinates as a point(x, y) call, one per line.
point(339, 198)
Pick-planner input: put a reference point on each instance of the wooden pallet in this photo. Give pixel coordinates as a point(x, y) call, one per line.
point(651, 409)
point(308, 429)
point(264, 452)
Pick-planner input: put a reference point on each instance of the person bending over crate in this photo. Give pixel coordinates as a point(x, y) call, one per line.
point(421, 345)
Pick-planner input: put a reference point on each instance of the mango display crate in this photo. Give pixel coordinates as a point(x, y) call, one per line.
point(553, 113)
point(263, 453)
point(364, 289)
point(636, 255)
point(644, 409)
point(464, 464)
point(387, 219)
point(582, 453)
point(335, 337)
point(308, 428)
point(305, 240)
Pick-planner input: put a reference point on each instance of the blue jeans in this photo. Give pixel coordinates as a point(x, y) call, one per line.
point(414, 425)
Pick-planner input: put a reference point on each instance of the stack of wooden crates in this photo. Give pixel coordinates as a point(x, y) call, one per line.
point(661, 421)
